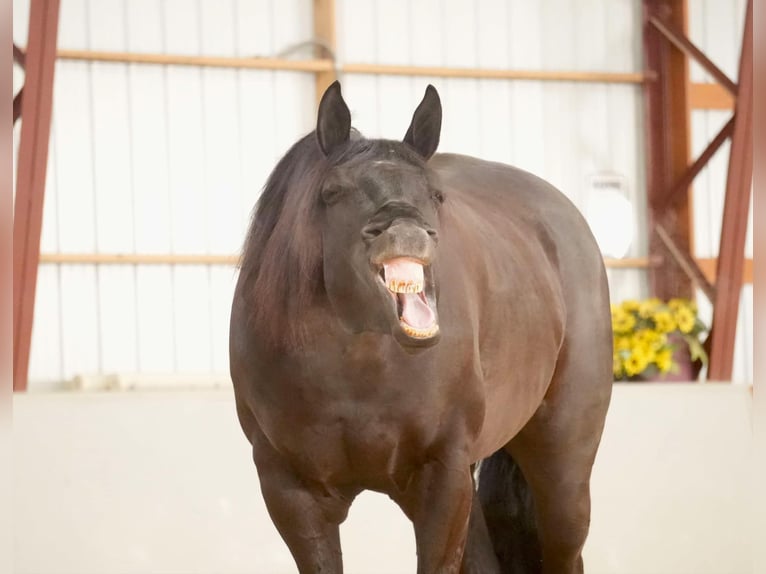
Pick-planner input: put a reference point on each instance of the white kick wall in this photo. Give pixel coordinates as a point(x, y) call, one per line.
point(149, 159)
point(154, 491)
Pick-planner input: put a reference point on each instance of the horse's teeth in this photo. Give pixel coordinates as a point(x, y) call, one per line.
point(420, 333)
point(404, 287)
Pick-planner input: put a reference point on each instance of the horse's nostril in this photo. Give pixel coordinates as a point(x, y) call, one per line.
point(370, 232)
point(432, 233)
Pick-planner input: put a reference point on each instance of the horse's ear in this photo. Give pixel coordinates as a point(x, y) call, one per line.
point(425, 129)
point(334, 120)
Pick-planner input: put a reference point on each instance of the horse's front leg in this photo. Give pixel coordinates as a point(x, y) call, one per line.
point(438, 501)
point(307, 517)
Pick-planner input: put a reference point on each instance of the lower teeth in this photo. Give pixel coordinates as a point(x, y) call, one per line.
point(413, 332)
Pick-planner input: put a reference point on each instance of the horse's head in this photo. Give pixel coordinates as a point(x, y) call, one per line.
point(380, 224)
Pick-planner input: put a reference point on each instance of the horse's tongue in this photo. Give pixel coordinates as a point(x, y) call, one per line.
point(416, 312)
point(403, 270)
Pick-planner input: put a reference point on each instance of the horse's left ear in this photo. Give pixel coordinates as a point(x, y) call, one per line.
point(425, 129)
point(333, 120)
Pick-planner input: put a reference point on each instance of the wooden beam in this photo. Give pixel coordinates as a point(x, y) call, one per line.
point(708, 266)
point(40, 59)
point(495, 74)
point(710, 97)
point(324, 32)
point(326, 65)
point(630, 263)
point(668, 146)
point(224, 259)
point(315, 65)
point(731, 254)
point(138, 259)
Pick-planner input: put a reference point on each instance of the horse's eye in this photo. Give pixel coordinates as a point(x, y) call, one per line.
point(437, 196)
point(331, 194)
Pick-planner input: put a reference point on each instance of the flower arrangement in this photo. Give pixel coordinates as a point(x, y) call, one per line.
point(648, 333)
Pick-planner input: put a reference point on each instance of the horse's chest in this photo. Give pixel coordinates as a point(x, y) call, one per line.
point(365, 443)
point(354, 414)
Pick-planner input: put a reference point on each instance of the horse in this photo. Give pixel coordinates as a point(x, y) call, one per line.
point(433, 327)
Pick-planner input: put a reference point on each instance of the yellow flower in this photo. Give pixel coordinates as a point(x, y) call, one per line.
point(635, 364)
point(622, 322)
point(647, 338)
point(664, 360)
point(646, 308)
point(630, 305)
point(622, 343)
point(685, 319)
point(649, 354)
point(664, 322)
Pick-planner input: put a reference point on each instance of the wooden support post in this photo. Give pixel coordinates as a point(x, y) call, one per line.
point(667, 144)
point(731, 256)
point(39, 63)
point(324, 31)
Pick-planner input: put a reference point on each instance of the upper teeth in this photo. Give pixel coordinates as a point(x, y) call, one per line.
point(404, 286)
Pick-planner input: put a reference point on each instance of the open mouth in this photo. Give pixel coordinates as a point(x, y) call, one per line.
point(406, 282)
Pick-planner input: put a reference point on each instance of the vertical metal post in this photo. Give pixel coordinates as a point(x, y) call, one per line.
point(30, 186)
point(731, 254)
point(667, 120)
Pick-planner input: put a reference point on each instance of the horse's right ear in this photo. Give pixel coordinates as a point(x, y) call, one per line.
point(333, 120)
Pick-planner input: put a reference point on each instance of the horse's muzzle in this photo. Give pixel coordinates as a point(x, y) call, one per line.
point(402, 239)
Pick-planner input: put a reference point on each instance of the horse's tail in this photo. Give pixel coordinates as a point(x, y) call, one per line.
point(509, 512)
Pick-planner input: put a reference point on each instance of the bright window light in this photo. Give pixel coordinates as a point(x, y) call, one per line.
point(610, 215)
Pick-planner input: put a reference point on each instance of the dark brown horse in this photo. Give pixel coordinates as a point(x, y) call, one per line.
point(402, 317)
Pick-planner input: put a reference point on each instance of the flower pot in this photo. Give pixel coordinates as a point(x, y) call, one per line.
point(687, 370)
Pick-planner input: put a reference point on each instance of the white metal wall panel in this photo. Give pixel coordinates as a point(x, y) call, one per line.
point(151, 159)
point(144, 20)
point(157, 160)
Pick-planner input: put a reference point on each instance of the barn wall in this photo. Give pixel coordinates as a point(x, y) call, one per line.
point(147, 159)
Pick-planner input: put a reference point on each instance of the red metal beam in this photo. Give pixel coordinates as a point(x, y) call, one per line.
point(731, 255)
point(683, 43)
point(40, 61)
point(667, 145)
point(18, 55)
point(682, 186)
point(686, 262)
point(18, 100)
